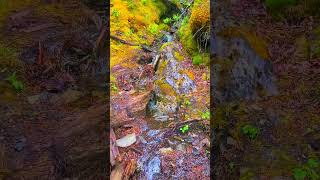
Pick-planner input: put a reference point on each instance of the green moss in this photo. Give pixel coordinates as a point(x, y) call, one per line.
point(178, 56)
point(165, 88)
point(198, 59)
point(165, 45)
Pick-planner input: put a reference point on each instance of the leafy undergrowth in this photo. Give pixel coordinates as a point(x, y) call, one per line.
point(194, 32)
point(135, 21)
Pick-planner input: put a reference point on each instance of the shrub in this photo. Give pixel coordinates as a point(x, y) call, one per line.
point(167, 20)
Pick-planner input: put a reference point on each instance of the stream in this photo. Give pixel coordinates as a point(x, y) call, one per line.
point(172, 96)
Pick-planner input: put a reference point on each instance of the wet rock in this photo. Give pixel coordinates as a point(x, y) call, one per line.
point(195, 151)
point(153, 167)
point(127, 140)
point(181, 147)
point(241, 73)
point(173, 80)
point(153, 133)
point(20, 143)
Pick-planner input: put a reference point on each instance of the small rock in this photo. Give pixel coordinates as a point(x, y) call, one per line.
point(231, 141)
point(20, 143)
point(181, 147)
point(165, 150)
point(42, 97)
point(153, 167)
point(127, 140)
point(152, 133)
point(195, 151)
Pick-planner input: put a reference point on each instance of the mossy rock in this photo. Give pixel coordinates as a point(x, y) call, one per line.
point(256, 42)
point(178, 56)
point(165, 88)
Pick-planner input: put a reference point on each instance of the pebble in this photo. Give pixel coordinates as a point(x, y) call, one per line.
point(181, 147)
point(20, 143)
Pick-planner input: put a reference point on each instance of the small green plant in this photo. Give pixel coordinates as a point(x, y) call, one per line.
point(153, 29)
point(205, 115)
point(167, 20)
point(185, 128)
point(115, 13)
point(250, 131)
point(186, 3)
point(197, 59)
point(309, 170)
point(144, 2)
point(176, 17)
point(299, 174)
point(187, 103)
point(16, 84)
point(114, 87)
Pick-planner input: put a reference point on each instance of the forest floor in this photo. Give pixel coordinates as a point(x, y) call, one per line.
point(52, 92)
point(288, 123)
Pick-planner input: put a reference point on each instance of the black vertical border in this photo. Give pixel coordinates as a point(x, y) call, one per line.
point(107, 139)
point(213, 153)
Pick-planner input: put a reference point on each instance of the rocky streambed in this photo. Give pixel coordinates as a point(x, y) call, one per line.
point(164, 111)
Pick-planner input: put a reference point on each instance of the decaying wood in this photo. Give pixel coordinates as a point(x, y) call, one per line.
point(122, 41)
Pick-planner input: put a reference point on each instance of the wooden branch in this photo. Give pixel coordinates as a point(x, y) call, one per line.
point(123, 41)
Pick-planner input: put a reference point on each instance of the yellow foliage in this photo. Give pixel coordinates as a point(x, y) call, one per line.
point(131, 21)
point(200, 16)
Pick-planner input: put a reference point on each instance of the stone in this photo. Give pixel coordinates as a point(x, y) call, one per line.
point(165, 150)
point(181, 147)
point(127, 140)
point(20, 143)
point(153, 167)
